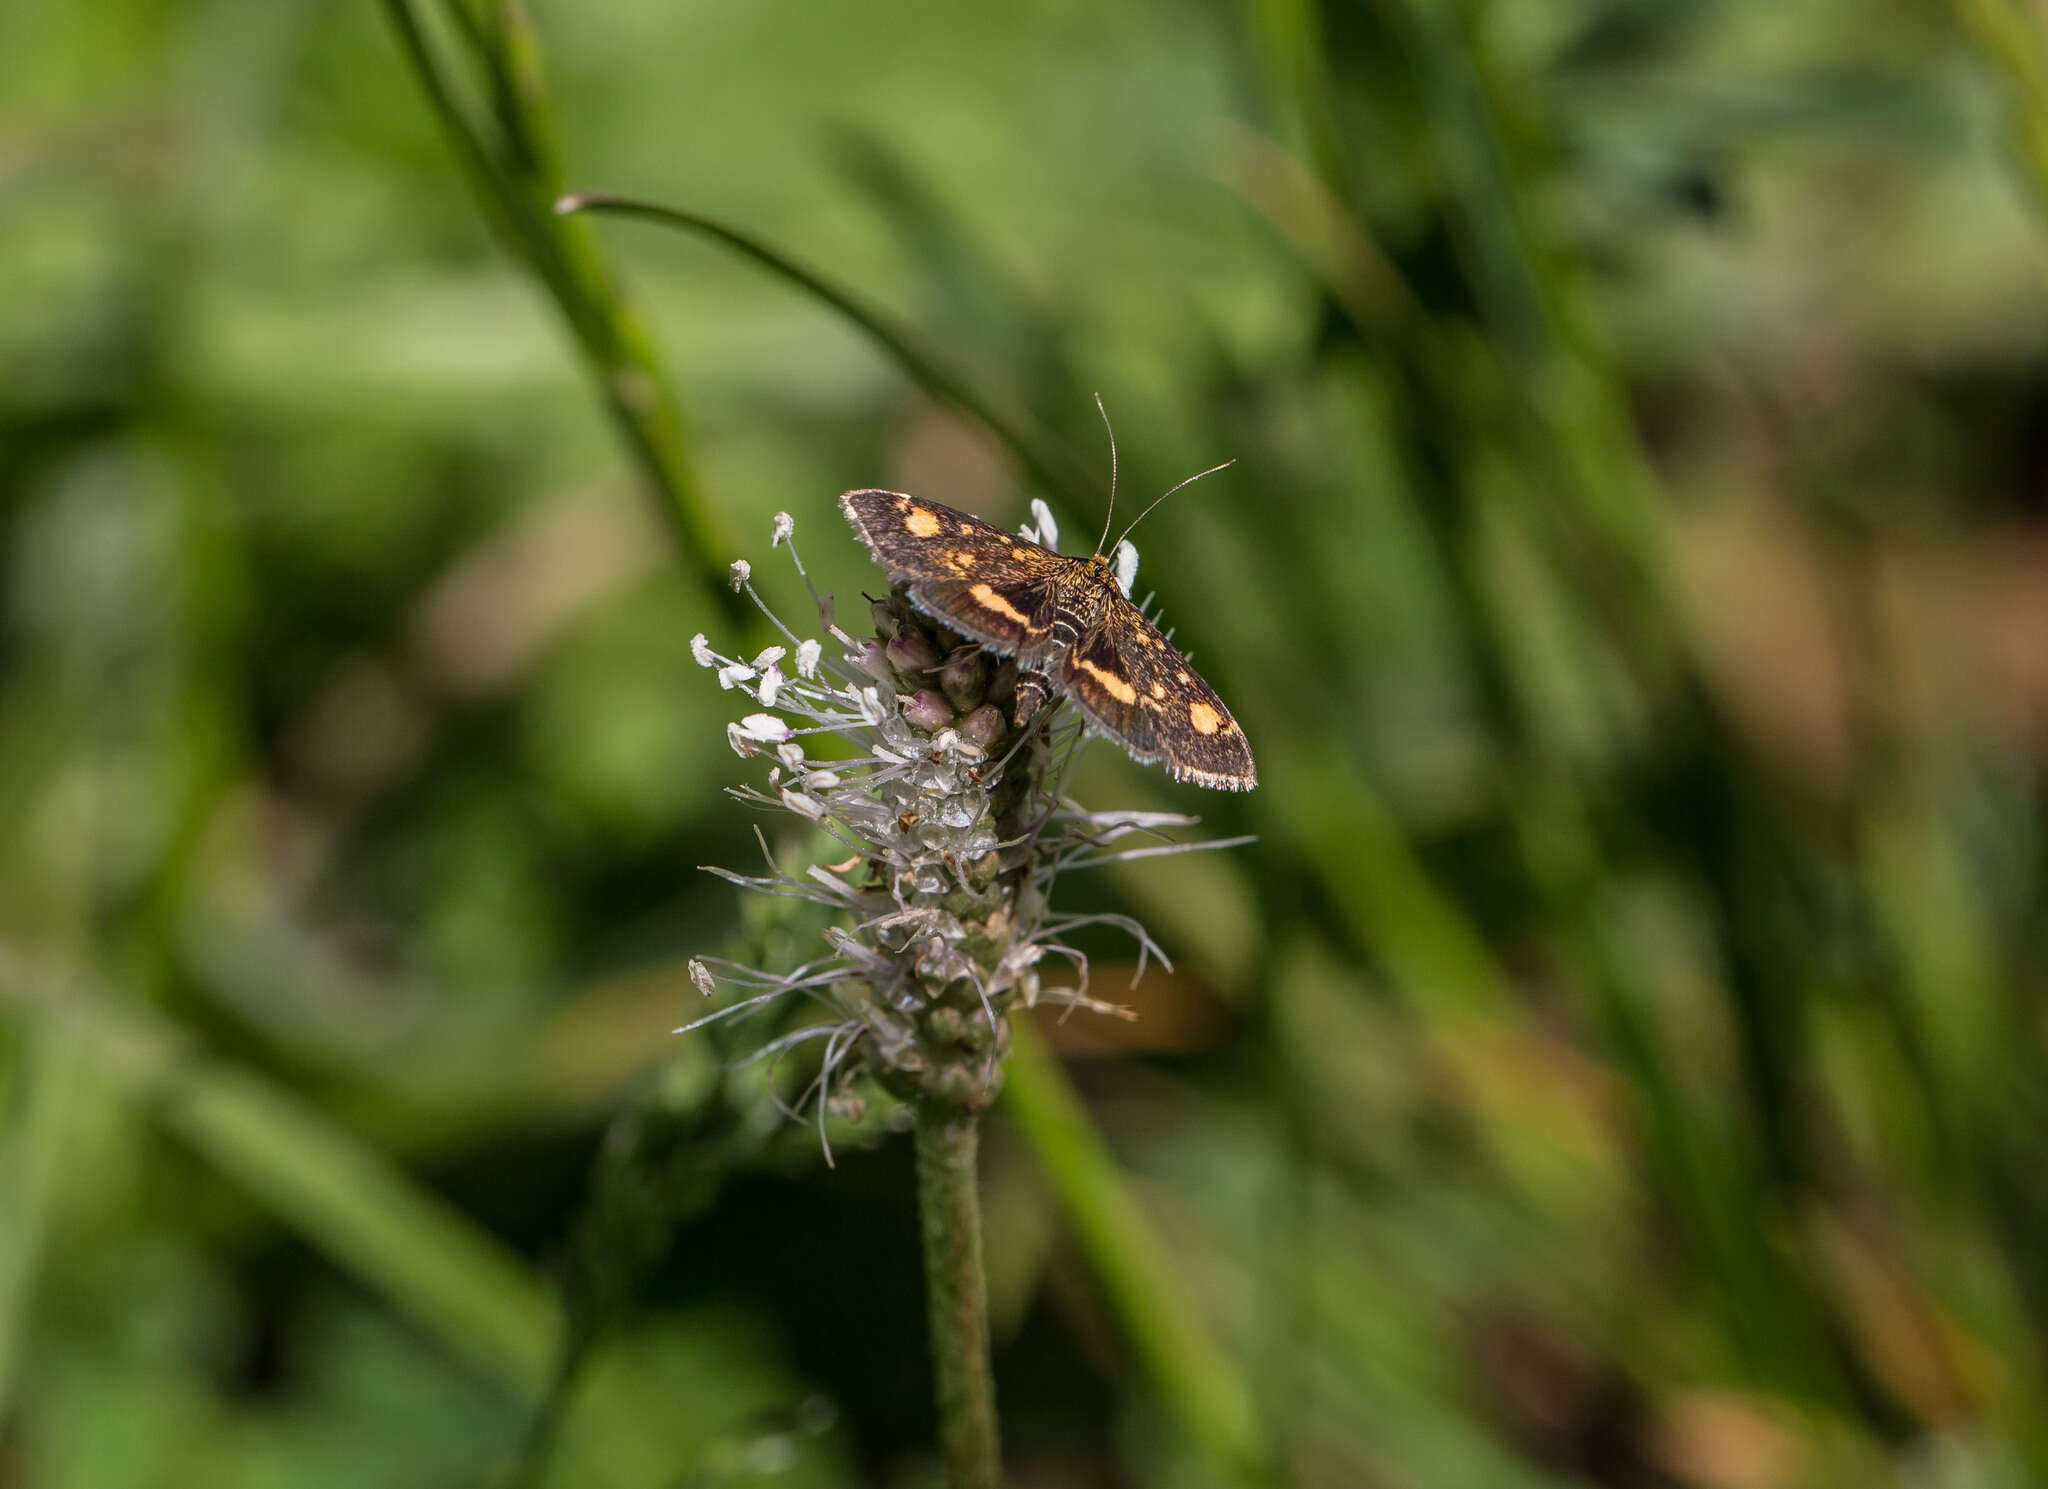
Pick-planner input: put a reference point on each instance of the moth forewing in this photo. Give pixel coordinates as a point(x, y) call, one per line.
point(1132, 685)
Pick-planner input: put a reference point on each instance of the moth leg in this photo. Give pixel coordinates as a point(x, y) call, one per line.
point(1033, 688)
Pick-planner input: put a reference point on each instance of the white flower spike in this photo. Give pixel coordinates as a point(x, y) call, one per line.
point(958, 835)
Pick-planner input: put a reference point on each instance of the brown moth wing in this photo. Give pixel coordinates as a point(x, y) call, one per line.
point(997, 587)
point(1130, 683)
point(1005, 619)
point(914, 539)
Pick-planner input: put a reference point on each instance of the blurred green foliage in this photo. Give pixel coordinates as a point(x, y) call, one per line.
point(1620, 1060)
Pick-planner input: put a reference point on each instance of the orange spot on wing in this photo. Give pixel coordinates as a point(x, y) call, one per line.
point(921, 524)
point(985, 596)
point(1113, 685)
point(1205, 719)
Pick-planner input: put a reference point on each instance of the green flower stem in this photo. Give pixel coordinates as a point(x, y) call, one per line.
point(949, 1210)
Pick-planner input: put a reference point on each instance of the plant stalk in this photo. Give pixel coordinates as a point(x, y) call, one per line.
point(949, 1211)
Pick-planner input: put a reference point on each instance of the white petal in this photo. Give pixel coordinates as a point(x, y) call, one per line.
point(700, 975)
point(733, 674)
point(771, 684)
point(802, 805)
point(740, 573)
point(785, 526)
point(764, 727)
point(771, 656)
point(700, 651)
point(807, 654)
point(1126, 566)
point(1048, 535)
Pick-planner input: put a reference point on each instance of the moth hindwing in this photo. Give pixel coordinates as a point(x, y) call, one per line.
point(1069, 626)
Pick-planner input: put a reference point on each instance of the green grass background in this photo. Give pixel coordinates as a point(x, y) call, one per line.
point(1620, 1060)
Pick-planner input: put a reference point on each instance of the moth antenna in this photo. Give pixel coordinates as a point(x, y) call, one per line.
point(1170, 491)
point(1106, 516)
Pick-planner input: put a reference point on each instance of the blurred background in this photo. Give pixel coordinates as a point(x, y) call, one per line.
point(1622, 1059)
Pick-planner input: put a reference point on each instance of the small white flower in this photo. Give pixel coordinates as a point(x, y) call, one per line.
point(803, 805)
point(700, 651)
point(733, 674)
point(785, 527)
point(1126, 566)
point(790, 753)
point(700, 975)
point(771, 684)
point(741, 745)
point(807, 655)
point(764, 728)
point(741, 572)
point(770, 657)
point(1043, 530)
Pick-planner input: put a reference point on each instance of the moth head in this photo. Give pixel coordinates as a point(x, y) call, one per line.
point(1119, 568)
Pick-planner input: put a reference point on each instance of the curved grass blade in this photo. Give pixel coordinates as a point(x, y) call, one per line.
point(348, 1200)
point(515, 172)
point(1047, 468)
point(1199, 1383)
point(53, 1060)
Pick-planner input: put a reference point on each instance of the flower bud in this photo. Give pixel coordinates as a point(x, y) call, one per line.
point(984, 726)
point(873, 659)
point(964, 678)
point(928, 710)
point(978, 1036)
point(962, 1085)
point(886, 622)
point(913, 653)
